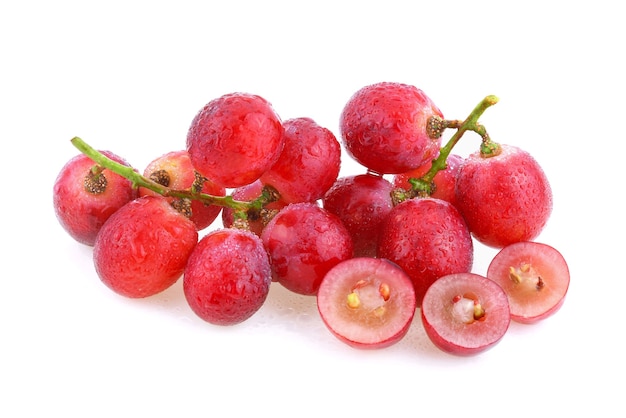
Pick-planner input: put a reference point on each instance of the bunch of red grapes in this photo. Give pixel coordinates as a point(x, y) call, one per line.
point(372, 248)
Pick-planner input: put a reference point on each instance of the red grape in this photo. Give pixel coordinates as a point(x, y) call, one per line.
point(428, 238)
point(504, 198)
point(309, 163)
point(362, 202)
point(465, 313)
point(384, 127)
point(174, 170)
point(234, 139)
point(249, 193)
point(444, 180)
point(83, 200)
point(227, 277)
point(367, 302)
point(535, 277)
point(304, 241)
point(142, 248)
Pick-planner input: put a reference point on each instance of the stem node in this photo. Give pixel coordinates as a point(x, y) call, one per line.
point(436, 126)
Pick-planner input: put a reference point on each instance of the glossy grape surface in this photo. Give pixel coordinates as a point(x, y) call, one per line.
point(227, 278)
point(235, 138)
point(81, 209)
point(383, 127)
point(309, 163)
point(504, 199)
point(362, 202)
point(304, 241)
point(143, 248)
point(428, 238)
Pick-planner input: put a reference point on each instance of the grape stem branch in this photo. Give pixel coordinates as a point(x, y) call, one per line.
point(423, 186)
point(240, 207)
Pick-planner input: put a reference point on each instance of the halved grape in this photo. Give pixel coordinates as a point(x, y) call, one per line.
point(535, 277)
point(367, 302)
point(465, 313)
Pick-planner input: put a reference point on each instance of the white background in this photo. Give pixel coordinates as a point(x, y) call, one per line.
point(129, 76)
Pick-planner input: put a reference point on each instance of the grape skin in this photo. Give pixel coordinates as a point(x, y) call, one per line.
point(182, 176)
point(227, 278)
point(143, 248)
point(362, 202)
point(383, 127)
point(504, 199)
point(309, 163)
point(80, 212)
point(235, 138)
point(304, 241)
point(428, 238)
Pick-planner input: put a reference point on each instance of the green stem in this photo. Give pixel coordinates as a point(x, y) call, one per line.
point(423, 185)
point(138, 180)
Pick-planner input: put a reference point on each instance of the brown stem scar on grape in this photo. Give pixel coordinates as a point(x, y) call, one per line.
point(241, 223)
point(198, 182)
point(266, 215)
point(183, 206)
point(435, 127)
point(95, 181)
point(271, 194)
point(160, 176)
point(399, 195)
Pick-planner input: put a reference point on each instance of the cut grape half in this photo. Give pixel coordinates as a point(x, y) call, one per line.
point(367, 302)
point(465, 313)
point(535, 277)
